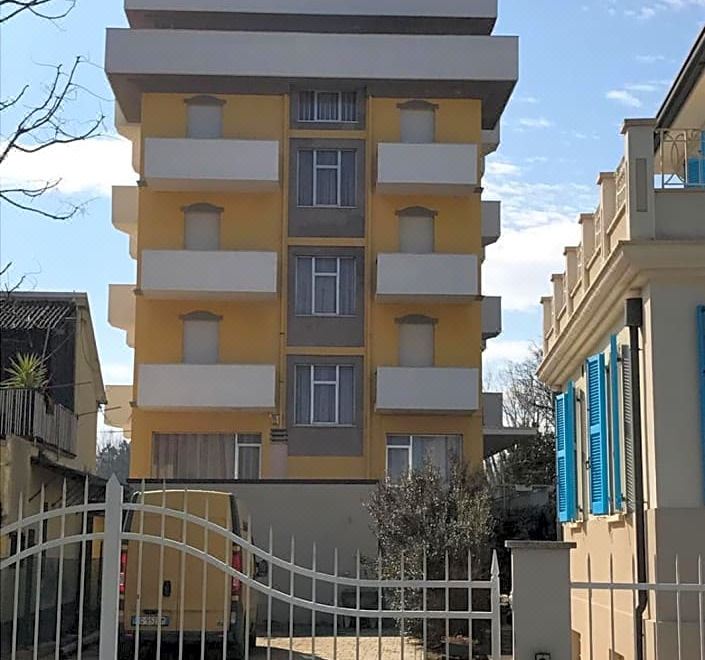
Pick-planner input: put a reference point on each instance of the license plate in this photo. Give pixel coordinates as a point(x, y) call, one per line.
point(149, 620)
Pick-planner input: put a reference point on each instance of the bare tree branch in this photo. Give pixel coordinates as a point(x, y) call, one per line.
point(40, 8)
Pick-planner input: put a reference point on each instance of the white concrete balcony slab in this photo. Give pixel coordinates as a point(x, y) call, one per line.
point(125, 204)
point(496, 436)
point(211, 164)
point(433, 169)
point(206, 386)
point(121, 309)
point(427, 277)
point(204, 273)
point(118, 412)
point(491, 316)
point(491, 222)
point(435, 390)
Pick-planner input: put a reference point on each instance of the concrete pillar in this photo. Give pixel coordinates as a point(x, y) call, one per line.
point(641, 197)
point(541, 599)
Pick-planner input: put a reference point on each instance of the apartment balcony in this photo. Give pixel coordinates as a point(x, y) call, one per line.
point(118, 412)
point(427, 277)
point(442, 65)
point(491, 222)
point(125, 203)
point(491, 316)
point(212, 274)
point(433, 169)
point(211, 164)
point(496, 436)
point(121, 309)
point(207, 387)
point(429, 390)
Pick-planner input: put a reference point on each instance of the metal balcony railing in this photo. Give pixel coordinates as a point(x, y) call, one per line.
point(35, 416)
point(680, 158)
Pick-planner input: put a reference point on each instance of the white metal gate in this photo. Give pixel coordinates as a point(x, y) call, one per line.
point(359, 622)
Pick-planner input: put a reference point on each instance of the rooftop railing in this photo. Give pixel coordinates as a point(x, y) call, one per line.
point(680, 158)
point(33, 415)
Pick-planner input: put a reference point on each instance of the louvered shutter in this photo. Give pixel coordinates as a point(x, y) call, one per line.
point(597, 435)
point(627, 421)
point(614, 418)
point(565, 455)
point(700, 329)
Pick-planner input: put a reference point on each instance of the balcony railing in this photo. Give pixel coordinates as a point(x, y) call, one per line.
point(32, 415)
point(680, 158)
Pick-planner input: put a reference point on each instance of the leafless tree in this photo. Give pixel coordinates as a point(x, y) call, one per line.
point(42, 122)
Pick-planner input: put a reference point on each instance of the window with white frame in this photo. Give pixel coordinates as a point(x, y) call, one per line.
point(206, 455)
point(327, 107)
point(406, 453)
point(324, 394)
point(326, 177)
point(325, 286)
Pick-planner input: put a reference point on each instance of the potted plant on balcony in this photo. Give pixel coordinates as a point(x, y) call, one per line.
point(27, 375)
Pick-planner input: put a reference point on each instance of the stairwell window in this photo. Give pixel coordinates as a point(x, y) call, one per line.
point(325, 286)
point(327, 106)
point(324, 395)
point(204, 117)
point(326, 177)
point(406, 453)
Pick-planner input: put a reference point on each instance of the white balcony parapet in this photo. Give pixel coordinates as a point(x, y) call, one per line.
point(496, 436)
point(205, 273)
point(427, 390)
point(491, 222)
point(437, 168)
point(491, 316)
point(211, 164)
point(121, 309)
point(206, 386)
point(118, 412)
point(125, 203)
point(427, 277)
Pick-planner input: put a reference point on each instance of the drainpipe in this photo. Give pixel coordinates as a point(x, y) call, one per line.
point(634, 316)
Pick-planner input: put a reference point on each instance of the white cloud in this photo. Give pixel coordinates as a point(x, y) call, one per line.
point(642, 87)
point(501, 168)
point(499, 351)
point(650, 59)
point(535, 122)
point(86, 167)
point(624, 97)
point(532, 100)
point(651, 9)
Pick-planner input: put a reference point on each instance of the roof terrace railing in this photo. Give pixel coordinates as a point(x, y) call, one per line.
point(680, 158)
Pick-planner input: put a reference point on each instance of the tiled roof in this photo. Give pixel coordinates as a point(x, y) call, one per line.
point(23, 313)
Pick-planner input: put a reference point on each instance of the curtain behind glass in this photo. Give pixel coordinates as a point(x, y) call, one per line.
point(307, 106)
point(347, 287)
point(328, 106)
point(248, 462)
point(303, 302)
point(305, 182)
point(346, 397)
point(193, 455)
point(347, 178)
point(303, 394)
point(349, 106)
point(325, 291)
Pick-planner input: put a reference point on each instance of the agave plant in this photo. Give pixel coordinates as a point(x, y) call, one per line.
point(26, 371)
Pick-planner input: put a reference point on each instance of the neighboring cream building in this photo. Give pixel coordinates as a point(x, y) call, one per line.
point(644, 244)
point(309, 234)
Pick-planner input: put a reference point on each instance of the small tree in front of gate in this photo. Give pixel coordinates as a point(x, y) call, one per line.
point(424, 521)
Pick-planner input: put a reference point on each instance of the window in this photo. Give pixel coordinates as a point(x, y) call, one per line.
point(327, 106)
point(204, 117)
point(417, 122)
point(326, 177)
point(413, 452)
point(202, 227)
point(566, 478)
point(206, 455)
point(325, 286)
point(597, 435)
point(201, 345)
point(416, 341)
point(324, 394)
point(416, 233)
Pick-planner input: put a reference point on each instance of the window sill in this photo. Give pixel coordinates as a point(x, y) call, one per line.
point(575, 525)
point(325, 426)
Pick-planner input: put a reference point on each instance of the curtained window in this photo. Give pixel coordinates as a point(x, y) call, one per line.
point(325, 286)
point(325, 394)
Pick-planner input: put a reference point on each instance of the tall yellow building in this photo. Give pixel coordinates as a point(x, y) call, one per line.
point(309, 233)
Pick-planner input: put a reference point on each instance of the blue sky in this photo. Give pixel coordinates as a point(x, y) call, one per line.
point(585, 66)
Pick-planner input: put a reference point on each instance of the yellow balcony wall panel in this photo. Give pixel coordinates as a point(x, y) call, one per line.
point(145, 423)
point(249, 332)
point(248, 221)
point(245, 116)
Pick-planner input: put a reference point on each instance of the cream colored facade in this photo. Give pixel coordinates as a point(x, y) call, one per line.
point(646, 240)
point(223, 118)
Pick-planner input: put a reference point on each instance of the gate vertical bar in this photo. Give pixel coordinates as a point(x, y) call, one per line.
point(335, 603)
point(160, 583)
point(424, 622)
point(110, 585)
point(292, 556)
point(678, 611)
point(402, 626)
point(248, 592)
point(204, 583)
point(701, 610)
point(16, 594)
point(469, 603)
point(138, 593)
point(447, 608)
point(313, 599)
point(82, 585)
point(270, 568)
point(496, 628)
point(380, 598)
point(182, 570)
point(60, 577)
point(38, 587)
point(357, 605)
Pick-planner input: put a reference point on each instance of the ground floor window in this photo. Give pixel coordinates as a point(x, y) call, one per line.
point(206, 455)
point(413, 452)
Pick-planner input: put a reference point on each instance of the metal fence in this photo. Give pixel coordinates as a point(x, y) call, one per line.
point(33, 415)
point(680, 158)
point(224, 577)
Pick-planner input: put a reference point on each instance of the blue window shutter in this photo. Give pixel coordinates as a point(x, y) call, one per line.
point(597, 435)
point(565, 455)
point(616, 446)
point(700, 328)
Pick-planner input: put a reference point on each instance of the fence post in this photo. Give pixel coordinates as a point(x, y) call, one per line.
point(541, 599)
point(110, 585)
